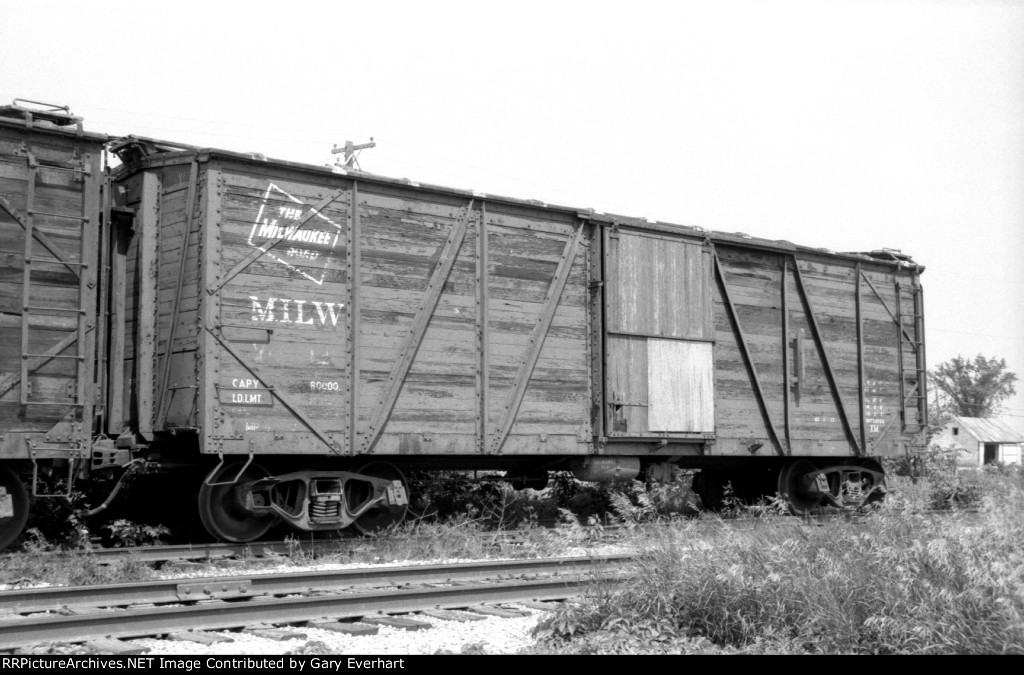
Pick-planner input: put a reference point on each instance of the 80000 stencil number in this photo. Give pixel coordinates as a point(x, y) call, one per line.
point(314, 385)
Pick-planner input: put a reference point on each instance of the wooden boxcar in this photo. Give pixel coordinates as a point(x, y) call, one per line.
point(315, 334)
point(51, 176)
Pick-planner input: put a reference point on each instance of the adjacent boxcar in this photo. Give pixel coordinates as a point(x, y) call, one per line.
point(316, 334)
point(51, 176)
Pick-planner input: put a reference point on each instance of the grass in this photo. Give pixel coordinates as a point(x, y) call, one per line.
point(902, 581)
point(41, 563)
point(67, 561)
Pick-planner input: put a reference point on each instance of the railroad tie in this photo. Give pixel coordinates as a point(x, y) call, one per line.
point(542, 606)
point(346, 627)
point(396, 622)
point(202, 637)
point(451, 615)
point(493, 610)
point(279, 634)
point(114, 647)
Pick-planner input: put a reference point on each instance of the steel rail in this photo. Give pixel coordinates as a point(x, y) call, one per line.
point(211, 551)
point(23, 601)
point(218, 550)
point(257, 549)
point(223, 615)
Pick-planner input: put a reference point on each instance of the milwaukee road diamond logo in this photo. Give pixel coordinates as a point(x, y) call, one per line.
point(303, 249)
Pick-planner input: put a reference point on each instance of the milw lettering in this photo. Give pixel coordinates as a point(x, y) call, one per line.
point(285, 310)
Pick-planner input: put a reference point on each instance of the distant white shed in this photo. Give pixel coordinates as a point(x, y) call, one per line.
point(984, 441)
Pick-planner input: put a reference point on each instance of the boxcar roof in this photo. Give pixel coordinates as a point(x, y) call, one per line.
point(178, 153)
point(43, 125)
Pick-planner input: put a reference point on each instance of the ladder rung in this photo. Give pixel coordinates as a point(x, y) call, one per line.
point(55, 167)
point(57, 262)
point(52, 356)
point(62, 405)
point(84, 219)
point(53, 309)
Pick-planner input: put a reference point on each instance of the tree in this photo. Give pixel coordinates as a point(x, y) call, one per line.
point(974, 388)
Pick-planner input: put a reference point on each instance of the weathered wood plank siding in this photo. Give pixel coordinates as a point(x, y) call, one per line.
point(152, 297)
point(754, 280)
point(49, 184)
point(278, 376)
point(283, 314)
point(336, 314)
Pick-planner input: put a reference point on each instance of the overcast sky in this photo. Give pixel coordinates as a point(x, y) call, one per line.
point(850, 124)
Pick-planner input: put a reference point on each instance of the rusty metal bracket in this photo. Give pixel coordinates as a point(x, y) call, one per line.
point(249, 259)
point(540, 331)
point(400, 370)
point(748, 361)
point(324, 436)
point(829, 373)
point(238, 476)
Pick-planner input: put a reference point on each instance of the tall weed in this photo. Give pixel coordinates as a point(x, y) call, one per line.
point(900, 581)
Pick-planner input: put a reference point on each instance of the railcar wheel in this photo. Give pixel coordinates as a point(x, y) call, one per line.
point(222, 509)
point(879, 494)
point(380, 517)
point(13, 506)
point(791, 480)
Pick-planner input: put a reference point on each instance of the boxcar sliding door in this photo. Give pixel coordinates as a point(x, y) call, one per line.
point(658, 335)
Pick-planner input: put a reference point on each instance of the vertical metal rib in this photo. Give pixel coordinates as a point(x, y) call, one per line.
point(482, 328)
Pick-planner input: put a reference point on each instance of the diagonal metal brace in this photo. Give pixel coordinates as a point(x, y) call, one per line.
point(819, 341)
point(190, 206)
point(40, 237)
point(418, 329)
point(895, 319)
point(276, 393)
point(540, 331)
point(8, 382)
point(741, 341)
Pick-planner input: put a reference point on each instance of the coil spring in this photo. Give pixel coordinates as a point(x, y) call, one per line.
point(318, 509)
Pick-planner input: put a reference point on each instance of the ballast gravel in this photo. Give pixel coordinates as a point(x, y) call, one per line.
point(493, 635)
